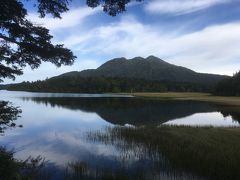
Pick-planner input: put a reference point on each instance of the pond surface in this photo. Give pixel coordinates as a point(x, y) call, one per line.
point(57, 127)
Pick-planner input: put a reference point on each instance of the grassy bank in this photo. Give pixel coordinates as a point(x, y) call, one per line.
point(206, 152)
point(181, 152)
point(234, 101)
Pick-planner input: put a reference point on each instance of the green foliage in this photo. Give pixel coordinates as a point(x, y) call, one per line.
point(112, 7)
point(24, 43)
point(104, 85)
point(229, 86)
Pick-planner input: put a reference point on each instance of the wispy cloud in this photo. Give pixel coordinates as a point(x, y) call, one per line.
point(209, 46)
point(50, 70)
point(177, 7)
point(200, 50)
point(69, 19)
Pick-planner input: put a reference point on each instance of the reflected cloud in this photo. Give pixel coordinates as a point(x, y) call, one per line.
point(207, 119)
point(59, 129)
point(138, 111)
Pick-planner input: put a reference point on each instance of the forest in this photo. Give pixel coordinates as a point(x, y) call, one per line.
point(104, 85)
point(229, 86)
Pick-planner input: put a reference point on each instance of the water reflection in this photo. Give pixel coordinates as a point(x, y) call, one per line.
point(70, 132)
point(137, 111)
point(206, 119)
point(8, 115)
point(208, 153)
point(124, 167)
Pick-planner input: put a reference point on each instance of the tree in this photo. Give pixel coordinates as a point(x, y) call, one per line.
point(229, 86)
point(24, 43)
point(112, 7)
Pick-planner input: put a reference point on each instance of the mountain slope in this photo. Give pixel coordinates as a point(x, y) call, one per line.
point(151, 68)
point(126, 75)
point(229, 86)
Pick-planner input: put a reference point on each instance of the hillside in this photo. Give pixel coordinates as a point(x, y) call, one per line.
point(151, 68)
point(229, 86)
point(126, 75)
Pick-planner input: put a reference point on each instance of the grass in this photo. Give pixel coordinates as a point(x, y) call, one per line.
point(224, 100)
point(207, 152)
point(192, 153)
point(11, 168)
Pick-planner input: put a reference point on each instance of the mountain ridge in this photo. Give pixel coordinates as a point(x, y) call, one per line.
point(138, 74)
point(150, 68)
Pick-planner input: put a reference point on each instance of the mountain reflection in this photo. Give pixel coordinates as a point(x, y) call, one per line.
point(136, 111)
point(74, 137)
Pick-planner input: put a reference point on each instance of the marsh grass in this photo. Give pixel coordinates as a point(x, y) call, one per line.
point(82, 171)
point(204, 151)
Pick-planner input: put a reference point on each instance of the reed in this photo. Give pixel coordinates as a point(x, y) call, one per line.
point(204, 151)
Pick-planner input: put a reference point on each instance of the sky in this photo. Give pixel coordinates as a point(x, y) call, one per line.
point(203, 35)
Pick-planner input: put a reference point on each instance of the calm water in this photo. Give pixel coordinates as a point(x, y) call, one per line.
point(57, 126)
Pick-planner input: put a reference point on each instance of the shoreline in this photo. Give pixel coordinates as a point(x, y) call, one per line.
point(192, 96)
point(205, 97)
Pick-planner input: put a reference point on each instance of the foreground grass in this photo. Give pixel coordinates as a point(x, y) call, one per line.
point(11, 168)
point(235, 101)
point(207, 152)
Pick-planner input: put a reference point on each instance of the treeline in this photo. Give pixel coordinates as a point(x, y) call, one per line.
point(103, 85)
point(229, 86)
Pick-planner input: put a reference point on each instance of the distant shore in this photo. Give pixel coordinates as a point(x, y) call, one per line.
point(194, 96)
point(206, 97)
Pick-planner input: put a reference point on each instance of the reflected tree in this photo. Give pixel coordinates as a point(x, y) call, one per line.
point(134, 111)
point(8, 114)
point(11, 168)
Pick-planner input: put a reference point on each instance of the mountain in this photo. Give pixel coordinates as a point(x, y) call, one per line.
point(151, 68)
point(139, 74)
point(134, 111)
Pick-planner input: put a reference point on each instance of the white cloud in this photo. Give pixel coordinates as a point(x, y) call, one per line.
point(180, 6)
point(212, 49)
point(50, 70)
point(69, 19)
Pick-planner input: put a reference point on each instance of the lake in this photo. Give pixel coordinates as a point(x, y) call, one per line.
point(76, 133)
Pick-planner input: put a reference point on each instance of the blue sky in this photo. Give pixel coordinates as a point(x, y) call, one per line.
point(203, 35)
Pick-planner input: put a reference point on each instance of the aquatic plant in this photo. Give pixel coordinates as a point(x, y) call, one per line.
point(207, 152)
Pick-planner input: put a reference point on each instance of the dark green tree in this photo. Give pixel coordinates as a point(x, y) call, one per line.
point(229, 86)
point(112, 7)
point(25, 43)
